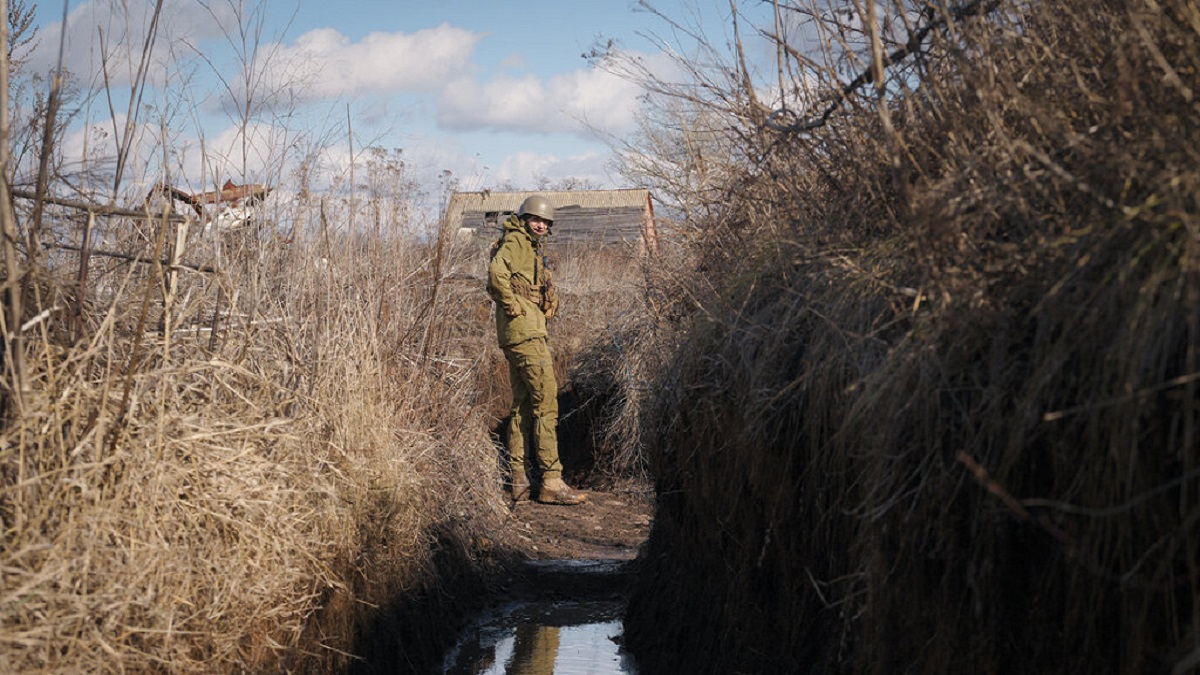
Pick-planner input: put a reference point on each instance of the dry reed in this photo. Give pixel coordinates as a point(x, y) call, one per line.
point(930, 403)
point(230, 476)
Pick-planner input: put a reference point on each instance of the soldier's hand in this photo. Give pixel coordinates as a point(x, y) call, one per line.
point(550, 300)
point(514, 309)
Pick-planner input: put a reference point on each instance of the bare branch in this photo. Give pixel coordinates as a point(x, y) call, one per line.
point(867, 75)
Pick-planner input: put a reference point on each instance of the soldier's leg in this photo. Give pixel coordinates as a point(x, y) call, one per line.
point(537, 371)
point(538, 368)
point(520, 427)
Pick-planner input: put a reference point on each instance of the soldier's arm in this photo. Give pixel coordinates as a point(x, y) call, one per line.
point(500, 279)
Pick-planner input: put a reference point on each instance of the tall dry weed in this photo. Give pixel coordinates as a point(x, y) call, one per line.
point(933, 405)
point(227, 477)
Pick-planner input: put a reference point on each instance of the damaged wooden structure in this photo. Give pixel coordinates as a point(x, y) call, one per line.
point(230, 207)
point(592, 218)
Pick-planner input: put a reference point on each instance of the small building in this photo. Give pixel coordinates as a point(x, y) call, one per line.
point(591, 218)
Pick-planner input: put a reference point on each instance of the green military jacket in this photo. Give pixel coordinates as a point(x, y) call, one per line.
point(516, 281)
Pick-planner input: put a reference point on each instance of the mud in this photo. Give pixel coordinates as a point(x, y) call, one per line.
point(610, 526)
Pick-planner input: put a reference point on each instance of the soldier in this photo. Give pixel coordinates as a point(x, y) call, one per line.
point(519, 282)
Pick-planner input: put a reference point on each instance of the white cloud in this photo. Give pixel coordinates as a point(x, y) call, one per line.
point(568, 103)
point(523, 167)
point(598, 98)
point(250, 153)
point(504, 103)
point(527, 168)
point(111, 34)
point(324, 63)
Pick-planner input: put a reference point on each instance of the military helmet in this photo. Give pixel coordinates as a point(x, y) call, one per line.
point(536, 205)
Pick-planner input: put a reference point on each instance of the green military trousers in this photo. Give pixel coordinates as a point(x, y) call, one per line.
point(534, 423)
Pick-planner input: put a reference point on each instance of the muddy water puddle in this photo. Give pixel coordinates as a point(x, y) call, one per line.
point(567, 621)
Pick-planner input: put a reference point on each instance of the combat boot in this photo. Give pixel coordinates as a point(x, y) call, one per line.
point(520, 486)
point(555, 491)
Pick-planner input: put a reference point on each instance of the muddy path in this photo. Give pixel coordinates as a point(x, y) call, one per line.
point(559, 608)
point(557, 554)
point(610, 526)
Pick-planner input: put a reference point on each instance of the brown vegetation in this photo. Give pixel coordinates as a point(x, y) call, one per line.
point(928, 399)
point(194, 471)
point(919, 377)
point(270, 451)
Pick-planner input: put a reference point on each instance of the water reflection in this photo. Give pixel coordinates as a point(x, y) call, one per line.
point(544, 638)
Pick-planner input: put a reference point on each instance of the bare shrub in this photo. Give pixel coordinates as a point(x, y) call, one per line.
point(607, 292)
point(934, 397)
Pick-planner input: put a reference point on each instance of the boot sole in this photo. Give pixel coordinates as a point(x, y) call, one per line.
point(557, 501)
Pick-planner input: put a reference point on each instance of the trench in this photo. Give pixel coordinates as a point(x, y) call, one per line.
point(560, 616)
point(537, 617)
point(551, 600)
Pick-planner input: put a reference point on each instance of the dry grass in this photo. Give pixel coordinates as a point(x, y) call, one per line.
point(604, 299)
point(932, 406)
point(179, 499)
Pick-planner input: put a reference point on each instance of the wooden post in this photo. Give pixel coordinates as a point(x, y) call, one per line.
point(649, 231)
point(14, 342)
point(171, 286)
point(85, 253)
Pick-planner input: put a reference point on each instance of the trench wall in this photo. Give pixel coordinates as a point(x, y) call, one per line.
point(820, 509)
point(938, 412)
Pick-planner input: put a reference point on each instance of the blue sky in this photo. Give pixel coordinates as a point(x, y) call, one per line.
point(492, 91)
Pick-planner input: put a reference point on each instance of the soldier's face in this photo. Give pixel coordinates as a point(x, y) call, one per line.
point(539, 226)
